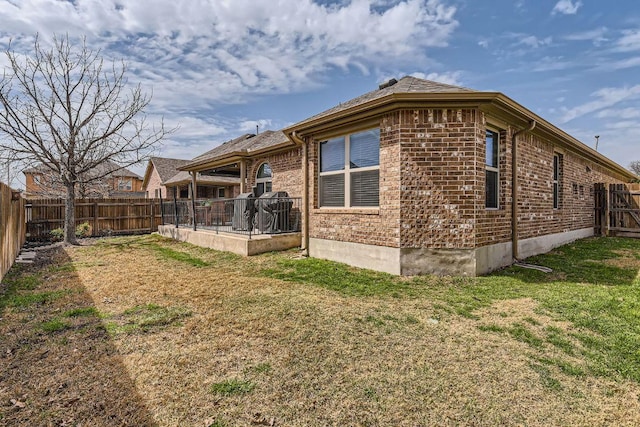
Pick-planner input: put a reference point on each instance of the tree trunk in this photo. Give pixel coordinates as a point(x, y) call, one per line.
point(70, 216)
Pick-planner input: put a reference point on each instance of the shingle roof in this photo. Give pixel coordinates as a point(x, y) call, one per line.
point(407, 84)
point(247, 143)
point(167, 168)
point(107, 168)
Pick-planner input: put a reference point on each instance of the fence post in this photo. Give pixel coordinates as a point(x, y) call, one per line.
point(161, 207)
point(152, 219)
point(95, 219)
point(175, 205)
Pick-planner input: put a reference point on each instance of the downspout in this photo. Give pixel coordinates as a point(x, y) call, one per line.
point(514, 189)
point(305, 192)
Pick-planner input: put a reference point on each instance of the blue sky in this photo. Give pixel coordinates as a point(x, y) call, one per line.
point(219, 67)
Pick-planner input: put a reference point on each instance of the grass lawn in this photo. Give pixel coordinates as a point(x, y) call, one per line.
point(146, 331)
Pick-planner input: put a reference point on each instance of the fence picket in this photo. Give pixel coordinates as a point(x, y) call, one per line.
point(107, 216)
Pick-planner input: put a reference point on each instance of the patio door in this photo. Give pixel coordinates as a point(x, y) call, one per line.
point(263, 179)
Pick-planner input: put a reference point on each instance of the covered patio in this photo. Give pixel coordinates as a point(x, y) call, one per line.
point(245, 225)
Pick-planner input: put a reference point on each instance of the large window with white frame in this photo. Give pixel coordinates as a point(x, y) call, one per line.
point(350, 170)
point(263, 179)
point(492, 171)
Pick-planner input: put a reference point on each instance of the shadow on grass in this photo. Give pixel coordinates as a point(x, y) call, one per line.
point(58, 365)
point(596, 261)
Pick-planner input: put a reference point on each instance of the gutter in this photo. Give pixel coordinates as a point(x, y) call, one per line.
point(305, 190)
point(514, 188)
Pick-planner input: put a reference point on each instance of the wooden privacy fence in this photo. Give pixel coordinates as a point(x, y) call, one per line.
point(617, 210)
point(12, 227)
point(105, 216)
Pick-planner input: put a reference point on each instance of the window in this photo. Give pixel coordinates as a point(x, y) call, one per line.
point(350, 170)
point(491, 170)
point(221, 193)
point(125, 184)
point(37, 179)
point(556, 181)
point(263, 179)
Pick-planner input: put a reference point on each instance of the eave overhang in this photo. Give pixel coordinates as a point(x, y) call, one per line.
point(493, 103)
point(234, 157)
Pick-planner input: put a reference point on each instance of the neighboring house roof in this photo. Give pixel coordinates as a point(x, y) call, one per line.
point(167, 168)
point(240, 147)
point(170, 175)
point(107, 168)
point(411, 92)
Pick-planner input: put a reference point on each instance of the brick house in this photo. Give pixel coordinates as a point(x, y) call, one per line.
point(107, 180)
point(419, 177)
point(162, 179)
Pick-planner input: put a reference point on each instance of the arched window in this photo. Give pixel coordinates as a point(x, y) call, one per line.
point(263, 179)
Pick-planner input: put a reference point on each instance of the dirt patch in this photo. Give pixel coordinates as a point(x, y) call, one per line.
point(235, 349)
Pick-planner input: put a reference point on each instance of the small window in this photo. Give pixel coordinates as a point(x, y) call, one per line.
point(221, 193)
point(492, 173)
point(350, 170)
point(37, 179)
point(125, 184)
point(556, 181)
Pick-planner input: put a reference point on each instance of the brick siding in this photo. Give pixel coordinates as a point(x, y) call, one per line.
point(286, 169)
point(432, 186)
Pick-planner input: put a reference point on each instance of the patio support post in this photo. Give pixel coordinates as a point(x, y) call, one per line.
point(243, 176)
point(175, 205)
point(193, 198)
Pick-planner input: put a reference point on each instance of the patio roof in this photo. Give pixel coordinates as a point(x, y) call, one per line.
point(242, 147)
point(183, 177)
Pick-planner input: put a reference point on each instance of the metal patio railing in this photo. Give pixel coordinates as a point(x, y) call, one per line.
point(242, 215)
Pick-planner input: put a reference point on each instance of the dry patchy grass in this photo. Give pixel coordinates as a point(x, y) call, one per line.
point(153, 332)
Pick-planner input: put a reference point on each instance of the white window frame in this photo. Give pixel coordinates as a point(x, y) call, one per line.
point(125, 184)
point(556, 181)
point(495, 169)
point(265, 180)
point(347, 171)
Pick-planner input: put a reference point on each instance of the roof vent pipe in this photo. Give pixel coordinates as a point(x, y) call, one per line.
point(388, 84)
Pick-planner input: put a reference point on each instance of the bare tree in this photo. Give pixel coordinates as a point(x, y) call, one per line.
point(65, 109)
point(635, 167)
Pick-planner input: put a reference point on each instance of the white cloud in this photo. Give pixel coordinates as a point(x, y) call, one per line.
point(624, 113)
point(596, 36)
point(450, 78)
point(534, 42)
point(606, 97)
point(566, 7)
point(224, 50)
point(629, 41)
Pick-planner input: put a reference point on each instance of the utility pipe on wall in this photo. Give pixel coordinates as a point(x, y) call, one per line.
point(514, 188)
point(305, 191)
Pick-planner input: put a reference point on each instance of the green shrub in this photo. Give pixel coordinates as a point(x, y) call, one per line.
point(83, 230)
point(57, 234)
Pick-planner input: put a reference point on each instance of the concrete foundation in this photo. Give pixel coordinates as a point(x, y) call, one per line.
point(379, 258)
point(542, 244)
point(458, 262)
point(236, 243)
